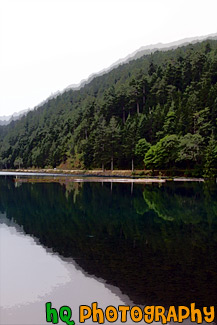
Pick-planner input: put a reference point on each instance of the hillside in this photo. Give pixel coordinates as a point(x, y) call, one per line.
point(158, 111)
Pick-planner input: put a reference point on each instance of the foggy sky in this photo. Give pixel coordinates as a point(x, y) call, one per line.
point(46, 45)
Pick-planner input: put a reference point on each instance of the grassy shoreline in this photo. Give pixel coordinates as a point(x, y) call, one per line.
point(97, 175)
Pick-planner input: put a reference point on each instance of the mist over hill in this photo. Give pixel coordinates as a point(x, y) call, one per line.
point(4, 120)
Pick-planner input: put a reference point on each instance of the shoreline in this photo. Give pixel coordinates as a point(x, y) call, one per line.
point(76, 175)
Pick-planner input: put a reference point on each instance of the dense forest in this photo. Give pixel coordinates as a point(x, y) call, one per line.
point(158, 112)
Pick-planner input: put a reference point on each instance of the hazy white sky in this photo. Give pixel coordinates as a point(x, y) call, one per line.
point(46, 45)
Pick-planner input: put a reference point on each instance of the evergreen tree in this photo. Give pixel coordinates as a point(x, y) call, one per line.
point(210, 167)
point(100, 144)
point(113, 140)
point(130, 140)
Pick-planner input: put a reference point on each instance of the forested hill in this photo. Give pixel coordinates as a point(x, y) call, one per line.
point(157, 112)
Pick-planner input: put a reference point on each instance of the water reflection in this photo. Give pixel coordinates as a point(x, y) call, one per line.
point(31, 276)
point(156, 243)
point(21, 253)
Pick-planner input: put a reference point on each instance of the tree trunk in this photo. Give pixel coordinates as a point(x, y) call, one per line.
point(137, 105)
point(124, 115)
point(143, 96)
point(103, 168)
point(132, 165)
point(112, 163)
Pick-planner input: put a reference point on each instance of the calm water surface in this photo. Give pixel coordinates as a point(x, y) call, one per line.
point(111, 243)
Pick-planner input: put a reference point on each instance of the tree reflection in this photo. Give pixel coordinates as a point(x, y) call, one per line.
point(157, 244)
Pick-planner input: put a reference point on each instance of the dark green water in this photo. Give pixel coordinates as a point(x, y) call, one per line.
point(157, 243)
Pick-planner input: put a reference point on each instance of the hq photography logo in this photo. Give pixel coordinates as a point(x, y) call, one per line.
point(122, 314)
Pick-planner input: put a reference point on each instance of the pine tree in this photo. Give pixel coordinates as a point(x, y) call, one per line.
point(100, 144)
point(113, 140)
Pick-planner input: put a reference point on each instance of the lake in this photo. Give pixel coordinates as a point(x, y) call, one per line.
point(116, 244)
